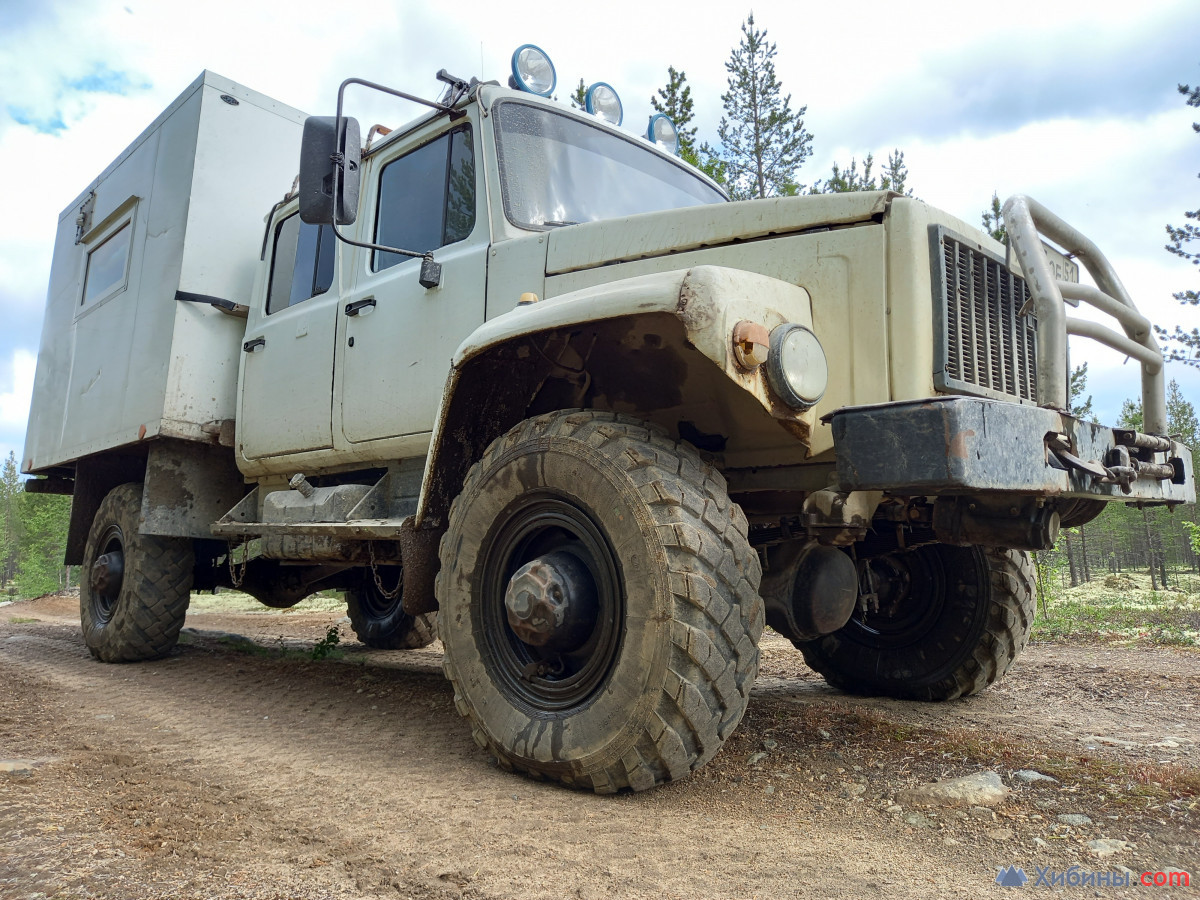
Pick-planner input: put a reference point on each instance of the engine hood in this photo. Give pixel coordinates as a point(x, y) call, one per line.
point(591, 244)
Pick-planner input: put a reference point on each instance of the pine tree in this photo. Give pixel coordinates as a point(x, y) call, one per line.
point(895, 174)
point(579, 97)
point(993, 220)
point(675, 102)
point(841, 181)
point(1187, 344)
point(10, 543)
point(764, 142)
point(1081, 409)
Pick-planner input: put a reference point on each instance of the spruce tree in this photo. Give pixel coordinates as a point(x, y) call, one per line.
point(764, 142)
point(1186, 347)
point(675, 102)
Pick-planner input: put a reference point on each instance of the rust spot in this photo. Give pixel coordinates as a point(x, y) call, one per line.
point(956, 447)
point(141, 432)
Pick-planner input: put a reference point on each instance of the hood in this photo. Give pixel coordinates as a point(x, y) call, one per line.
point(647, 235)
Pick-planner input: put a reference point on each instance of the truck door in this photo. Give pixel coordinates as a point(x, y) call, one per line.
point(287, 368)
point(397, 337)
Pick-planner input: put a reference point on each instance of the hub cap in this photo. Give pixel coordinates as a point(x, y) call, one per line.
point(551, 603)
point(108, 573)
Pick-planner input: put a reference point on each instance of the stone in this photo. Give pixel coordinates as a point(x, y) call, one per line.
point(1077, 820)
point(770, 789)
point(917, 820)
point(1106, 847)
point(982, 812)
point(825, 735)
point(980, 789)
point(770, 744)
point(756, 758)
point(1030, 776)
point(1040, 844)
point(999, 834)
point(16, 766)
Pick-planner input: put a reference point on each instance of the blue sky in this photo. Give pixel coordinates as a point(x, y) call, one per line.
point(1078, 110)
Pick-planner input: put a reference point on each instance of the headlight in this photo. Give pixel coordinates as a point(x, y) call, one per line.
point(602, 101)
point(532, 71)
point(662, 131)
point(797, 369)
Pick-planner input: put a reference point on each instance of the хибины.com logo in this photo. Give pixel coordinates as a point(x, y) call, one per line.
point(1011, 876)
point(1044, 876)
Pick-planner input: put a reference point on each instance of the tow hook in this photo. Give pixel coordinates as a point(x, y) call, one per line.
point(1123, 464)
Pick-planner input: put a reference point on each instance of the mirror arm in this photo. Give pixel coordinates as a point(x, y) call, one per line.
point(339, 161)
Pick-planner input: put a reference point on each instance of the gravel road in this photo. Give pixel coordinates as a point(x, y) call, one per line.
point(243, 769)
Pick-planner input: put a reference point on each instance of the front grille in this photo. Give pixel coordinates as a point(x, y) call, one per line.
point(985, 349)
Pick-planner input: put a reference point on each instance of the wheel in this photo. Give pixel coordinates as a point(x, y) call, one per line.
point(598, 603)
point(135, 590)
point(949, 622)
point(382, 623)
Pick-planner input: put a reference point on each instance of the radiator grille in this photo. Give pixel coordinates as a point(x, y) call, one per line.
point(986, 348)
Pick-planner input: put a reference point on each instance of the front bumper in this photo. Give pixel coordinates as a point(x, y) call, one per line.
point(975, 446)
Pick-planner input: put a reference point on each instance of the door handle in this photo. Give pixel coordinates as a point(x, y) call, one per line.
point(254, 344)
point(353, 309)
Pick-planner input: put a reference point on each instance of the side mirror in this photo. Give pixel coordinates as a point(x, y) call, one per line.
point(320, 152)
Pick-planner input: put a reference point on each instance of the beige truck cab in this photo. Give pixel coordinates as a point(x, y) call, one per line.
point(515, 373)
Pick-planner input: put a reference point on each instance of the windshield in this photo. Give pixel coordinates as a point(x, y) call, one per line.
point(558, 170)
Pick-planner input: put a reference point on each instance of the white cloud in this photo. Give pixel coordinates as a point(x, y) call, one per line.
point(1119, 173)
point(16, 390)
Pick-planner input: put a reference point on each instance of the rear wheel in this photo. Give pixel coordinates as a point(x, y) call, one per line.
point(380, 621)
point(598, 603)
point(949, 621)
point(135, 588)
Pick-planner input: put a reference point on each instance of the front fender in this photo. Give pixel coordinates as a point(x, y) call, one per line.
point(657, 346)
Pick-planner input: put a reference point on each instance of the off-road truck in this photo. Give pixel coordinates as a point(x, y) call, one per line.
point(515, 366)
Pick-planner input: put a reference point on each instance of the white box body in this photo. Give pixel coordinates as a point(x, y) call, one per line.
point(188, 197)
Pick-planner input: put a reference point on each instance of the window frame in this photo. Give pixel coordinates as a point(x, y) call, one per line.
point(470, 131)
point(121, 219)
point(277, 229)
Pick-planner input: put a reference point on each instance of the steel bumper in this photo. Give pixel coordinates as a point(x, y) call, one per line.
point(967, 445)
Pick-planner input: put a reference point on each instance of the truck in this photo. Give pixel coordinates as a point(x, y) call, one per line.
point(514, 377)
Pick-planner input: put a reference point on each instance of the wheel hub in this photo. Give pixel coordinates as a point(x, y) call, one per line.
point(551, 602)
point(108, 572)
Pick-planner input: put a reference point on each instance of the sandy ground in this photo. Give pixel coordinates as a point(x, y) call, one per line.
point(230, 770)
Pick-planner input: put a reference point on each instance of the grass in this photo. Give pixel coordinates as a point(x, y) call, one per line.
point(237, 602)
point(1122, 609)
point(21, 620)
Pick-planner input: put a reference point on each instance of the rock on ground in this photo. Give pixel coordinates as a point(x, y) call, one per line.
point(980, 789)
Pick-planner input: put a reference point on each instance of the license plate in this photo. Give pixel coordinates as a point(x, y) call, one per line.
point(1062, 268)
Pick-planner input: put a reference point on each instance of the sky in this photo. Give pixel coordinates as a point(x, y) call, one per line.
point(1074, 104)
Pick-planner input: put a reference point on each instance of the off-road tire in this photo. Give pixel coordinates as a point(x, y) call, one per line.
point(382, 624)
point(680, 678)
point(142, 619)
point(980, 625)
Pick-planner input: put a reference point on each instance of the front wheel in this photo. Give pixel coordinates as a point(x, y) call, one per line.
point(945, 622)
point(598, 603)
point(135, 587)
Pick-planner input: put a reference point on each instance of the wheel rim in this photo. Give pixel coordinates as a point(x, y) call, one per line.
point(567, 673)
point(912, 592)
point(107, 573)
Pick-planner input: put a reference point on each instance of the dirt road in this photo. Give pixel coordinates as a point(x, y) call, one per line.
point(232, 770)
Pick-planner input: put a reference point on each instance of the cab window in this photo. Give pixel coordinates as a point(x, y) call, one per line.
point(426, 198)
point(303, 263)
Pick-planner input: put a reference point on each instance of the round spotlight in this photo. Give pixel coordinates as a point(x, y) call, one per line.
point(602, 101)
point(797, 369)
point(532, 70)
point(662, 131)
